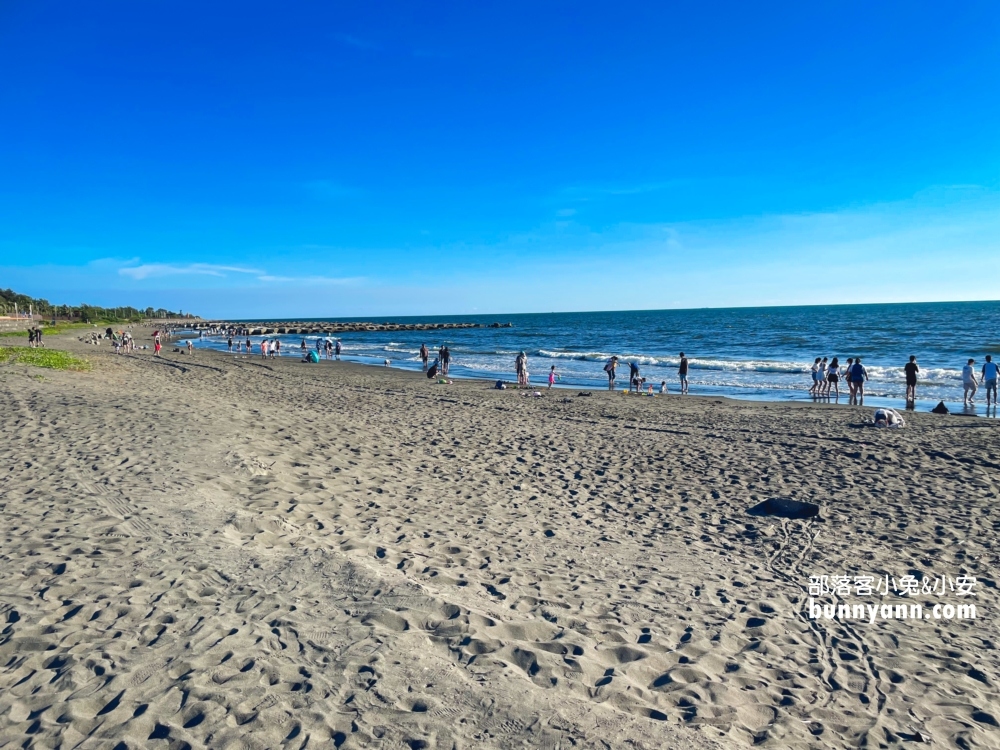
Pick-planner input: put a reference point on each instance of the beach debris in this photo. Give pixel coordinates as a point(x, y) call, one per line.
point(940, 408)
point(785, 508)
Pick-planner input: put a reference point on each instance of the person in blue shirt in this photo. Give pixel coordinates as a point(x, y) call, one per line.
point(989, 373)
point(857, 375)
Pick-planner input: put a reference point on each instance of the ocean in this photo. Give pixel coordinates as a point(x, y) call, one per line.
point(762, 353)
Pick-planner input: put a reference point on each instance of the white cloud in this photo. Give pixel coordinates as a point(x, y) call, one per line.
point(311, 280)
point(153, 270)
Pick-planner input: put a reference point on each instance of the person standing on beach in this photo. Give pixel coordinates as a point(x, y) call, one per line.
point(910, 369)
point(337, 348)
point(230, 342)
point(552, 376)
point(610, 368)
point(445, 360)
point(821, 382)
point(156, 344)
point(990, 373)
point(521, 366)
point(815, 378)
point(969, 383)
point(858, 375)
point(682, 374)
point(275, 348)
point(424, 356)
point(833, 377)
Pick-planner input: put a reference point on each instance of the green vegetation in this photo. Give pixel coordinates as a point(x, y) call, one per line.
point(52, 359)
point(11, 302)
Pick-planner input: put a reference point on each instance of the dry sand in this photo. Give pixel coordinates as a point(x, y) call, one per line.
point(229, 553)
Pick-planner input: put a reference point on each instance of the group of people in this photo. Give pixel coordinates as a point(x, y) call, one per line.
point(988, 377)
point(122, 341)
point(271, 348)
point(827, 374)
point(638, 382)
point(34, 337)
point(440, 365)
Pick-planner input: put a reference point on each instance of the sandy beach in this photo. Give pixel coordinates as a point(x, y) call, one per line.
point(208, 551)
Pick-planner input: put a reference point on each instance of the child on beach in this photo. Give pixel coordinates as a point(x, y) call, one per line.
point(663, 386)
point(552, 376)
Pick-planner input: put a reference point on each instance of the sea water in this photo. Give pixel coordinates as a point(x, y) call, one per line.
point(760, 353)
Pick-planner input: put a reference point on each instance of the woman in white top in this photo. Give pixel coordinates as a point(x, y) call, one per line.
point(833, 377)
point(815, 377)
point(969, 382)
point(821, 384)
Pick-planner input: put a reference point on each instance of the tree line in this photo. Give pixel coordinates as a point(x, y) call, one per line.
point(11, 302)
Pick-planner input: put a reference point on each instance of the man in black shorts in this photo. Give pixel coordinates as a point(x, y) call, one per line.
point(911, 371)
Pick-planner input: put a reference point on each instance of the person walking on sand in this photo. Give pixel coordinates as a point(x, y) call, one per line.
point(610, 368)
point(970, 383)
point(858, 376)
point(910, 369)
point(424, 356)
point(989, 374)
point(552, 376)
point(682, 374)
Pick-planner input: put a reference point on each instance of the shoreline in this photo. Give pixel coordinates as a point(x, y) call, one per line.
point(871, 402)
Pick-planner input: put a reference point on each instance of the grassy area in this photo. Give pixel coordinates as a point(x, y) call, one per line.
point(52, 359)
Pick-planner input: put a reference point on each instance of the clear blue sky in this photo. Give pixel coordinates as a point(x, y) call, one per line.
point(318, 158)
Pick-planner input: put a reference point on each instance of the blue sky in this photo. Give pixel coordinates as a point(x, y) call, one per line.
point(326, 159)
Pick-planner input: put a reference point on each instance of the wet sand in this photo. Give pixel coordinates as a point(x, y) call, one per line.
point(220, 552)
